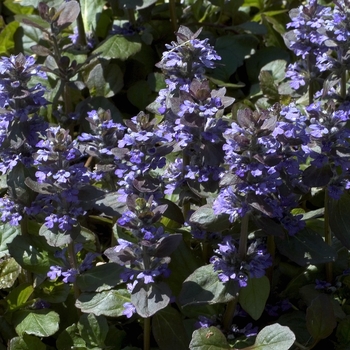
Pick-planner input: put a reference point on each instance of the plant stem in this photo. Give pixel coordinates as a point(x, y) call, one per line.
point(301, 347)
point(343, 84)
point(243, 239)
point(271, 248)
point(228, 315)
point(186, 206)
point(24, 231)
point(131, 15)
point(173, 17)
point(311, 92)
point(74, 265)
point(242, 252)
point(146, 333)
point(327, 235)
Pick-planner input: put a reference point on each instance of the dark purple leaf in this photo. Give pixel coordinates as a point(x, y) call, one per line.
point(167, 245)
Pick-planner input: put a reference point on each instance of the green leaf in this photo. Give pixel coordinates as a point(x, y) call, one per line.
point(19, 296)
point(208, 339)
point(99, 278)
point(53, 292)
point(33, 253)
point(7, 35)
point(277, 69)
point(204, 287)
point(9, 271)
point(28, 35)
point(16, 8)
point(156, 81)
point(107, 303)
point(90, 12)
point(169, 331)
point(339, 218)
point(70, 339)
point(343, 332)
point(261, 58)
point(93, 329)
point(7, 331)
point(27, 342)
point(91, 103)
point(320, 317)
point(296, 322)
point(150, 298)
point(57, 238)
point(208, 220)
point(119, 47)
point(41, 323)
point(253, 297)
point(274, 337)
point(105, 80)
point(183, 263)
point(35, 3)
point(268, 86)
point(233, 50)
point(305, 248)
point(7, 234)
point(140, 94)
point(136, 4)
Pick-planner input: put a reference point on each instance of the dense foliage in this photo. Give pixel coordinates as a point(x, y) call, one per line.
point(174, 174)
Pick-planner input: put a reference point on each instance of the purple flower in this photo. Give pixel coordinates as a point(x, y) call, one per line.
point(129, 309)
point(55, 271)
point(204, 322)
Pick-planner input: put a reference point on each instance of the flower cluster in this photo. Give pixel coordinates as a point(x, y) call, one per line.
point(18, 121)
point(146, 256)
point(60, 175)
point(65, 270)
point(263, 156)
point(230, 265)
point(328, 149)
point(192, 112)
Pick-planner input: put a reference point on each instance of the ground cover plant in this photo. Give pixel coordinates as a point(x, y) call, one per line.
point(175, 174)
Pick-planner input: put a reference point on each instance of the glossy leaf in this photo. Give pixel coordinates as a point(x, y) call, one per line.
point(99, 278)
point(204, 287)
point(343, 332)
point(233, 50)
point(119, 47)
point(33, 253)
point(107, 303)
point(68, 13)
point(9, 271)
point(150, 298)
point(306, 247)
point(90, 12)
point(41, 323)
point(93, 329)
point(208, 339)
point(7, 235)
point(53, 292)
point(105, 80)
point(19, 296)
point(253, 297)
point(205, 218)
point(274, 337)
point(136, 4)
point(320, 317)
point(169, 331)
point(26, 342)
point(7, 42)
point(140, 94)
point(70, 339)
point(339, 218)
